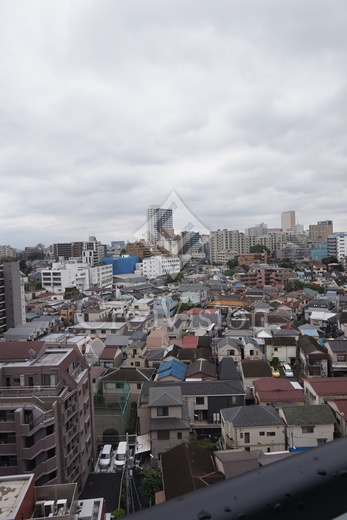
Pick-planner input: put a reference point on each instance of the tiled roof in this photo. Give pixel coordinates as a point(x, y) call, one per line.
point(128, 374)
point(195, 464)
point(227, 369)
point(328, 385)
point(169, 423)
point(338, 345)
point(308, 415)
point(203, 367)
point(256, 368)
point(165, 396)
point(252, 415)
point(272, 389)
point(199, 388)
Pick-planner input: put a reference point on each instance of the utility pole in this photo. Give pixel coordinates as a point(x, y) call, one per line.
point(127, 471)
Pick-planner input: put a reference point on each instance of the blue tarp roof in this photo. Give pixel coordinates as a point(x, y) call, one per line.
point(172, 368)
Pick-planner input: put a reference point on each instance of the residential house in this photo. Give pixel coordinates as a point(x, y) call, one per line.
point(337, 351)
point(201, 370)
point(308, 426)
point(339, 407)
point(171, 371)
point(204, 401)
point(314, 358)
point(318, 304)
point(229, 347)
point(117, 382)
point(283, 346)
point(168, 418)
point(252, 427)
point(196, 470)
point(254, 369)
point(158, 339)
point(277, 391)
point(253, 348)
point(320, 390)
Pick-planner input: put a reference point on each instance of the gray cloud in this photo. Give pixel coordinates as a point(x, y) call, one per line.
point(108, 107)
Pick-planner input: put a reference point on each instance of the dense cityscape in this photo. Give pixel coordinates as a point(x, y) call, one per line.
point(180, 353)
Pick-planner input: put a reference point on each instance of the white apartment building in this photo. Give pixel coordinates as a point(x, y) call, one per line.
point(158, 266)
point(337, 246)
point(73, 274)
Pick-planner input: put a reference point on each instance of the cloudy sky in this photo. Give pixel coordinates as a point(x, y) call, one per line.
point(106, 107)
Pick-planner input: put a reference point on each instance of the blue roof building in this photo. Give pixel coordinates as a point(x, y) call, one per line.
point(174, 369)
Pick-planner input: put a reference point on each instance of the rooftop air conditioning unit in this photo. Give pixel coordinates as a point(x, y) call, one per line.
point(39, 507)
point(48, 507)
point(61, 506)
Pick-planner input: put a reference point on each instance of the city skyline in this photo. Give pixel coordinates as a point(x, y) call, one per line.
point(109, 107)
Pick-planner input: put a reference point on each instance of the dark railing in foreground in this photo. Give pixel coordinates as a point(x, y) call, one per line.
point(308, 485)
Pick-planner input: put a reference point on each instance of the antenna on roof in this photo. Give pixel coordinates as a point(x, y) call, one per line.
point(32, 354)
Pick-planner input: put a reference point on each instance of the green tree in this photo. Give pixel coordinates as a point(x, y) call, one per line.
point(202, 443)
point(38, 285)
point(35, 255)
point(229, 272)
point(123, 252)
point(294, 285)
point(110, 436)
point(259, 248)
point(233, 262)
point(151, 483)
point(119, 513)
point(288, 264)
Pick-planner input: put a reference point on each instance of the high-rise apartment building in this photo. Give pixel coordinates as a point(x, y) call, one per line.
point(157, 218)
point(337, 246)
point(287, 220)
point(256, 231)
point(319, 232)
point(226, 244)
point(46, 413)
point(12, 302)
point(67, 250)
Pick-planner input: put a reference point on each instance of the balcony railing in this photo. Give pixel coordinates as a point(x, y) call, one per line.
point(308, 485)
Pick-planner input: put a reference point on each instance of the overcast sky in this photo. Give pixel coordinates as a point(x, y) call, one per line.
point(106, 107)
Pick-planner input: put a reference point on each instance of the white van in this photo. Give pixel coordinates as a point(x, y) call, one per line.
point(119, 460)
point(287, 371)
point(105, 456)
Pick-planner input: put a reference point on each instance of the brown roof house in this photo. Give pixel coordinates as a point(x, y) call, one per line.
point(278, 391)
point(320, 390)
point(186, 468)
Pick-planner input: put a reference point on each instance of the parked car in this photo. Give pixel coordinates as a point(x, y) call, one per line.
point(287, 371)
point(105, 456)
point(275, 372)
point(119, 460)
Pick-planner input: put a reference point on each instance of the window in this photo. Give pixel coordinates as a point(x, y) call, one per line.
point(179, 435)
point(162, 411)
point(340, 357)
point(200, 400)
point(247, 438)
point(307, 429)
point(163, 435)
point(138, 386)
point(262, 434)
point(270, 434)
point(231, 352)
point(251, 352)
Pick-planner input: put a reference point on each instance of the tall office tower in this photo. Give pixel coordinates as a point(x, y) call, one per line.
point(287, 220)
point(225, 244)
point(157, 218)
point(67, 250)
point(319, 232)
point(12, 303)
point(257, 231)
